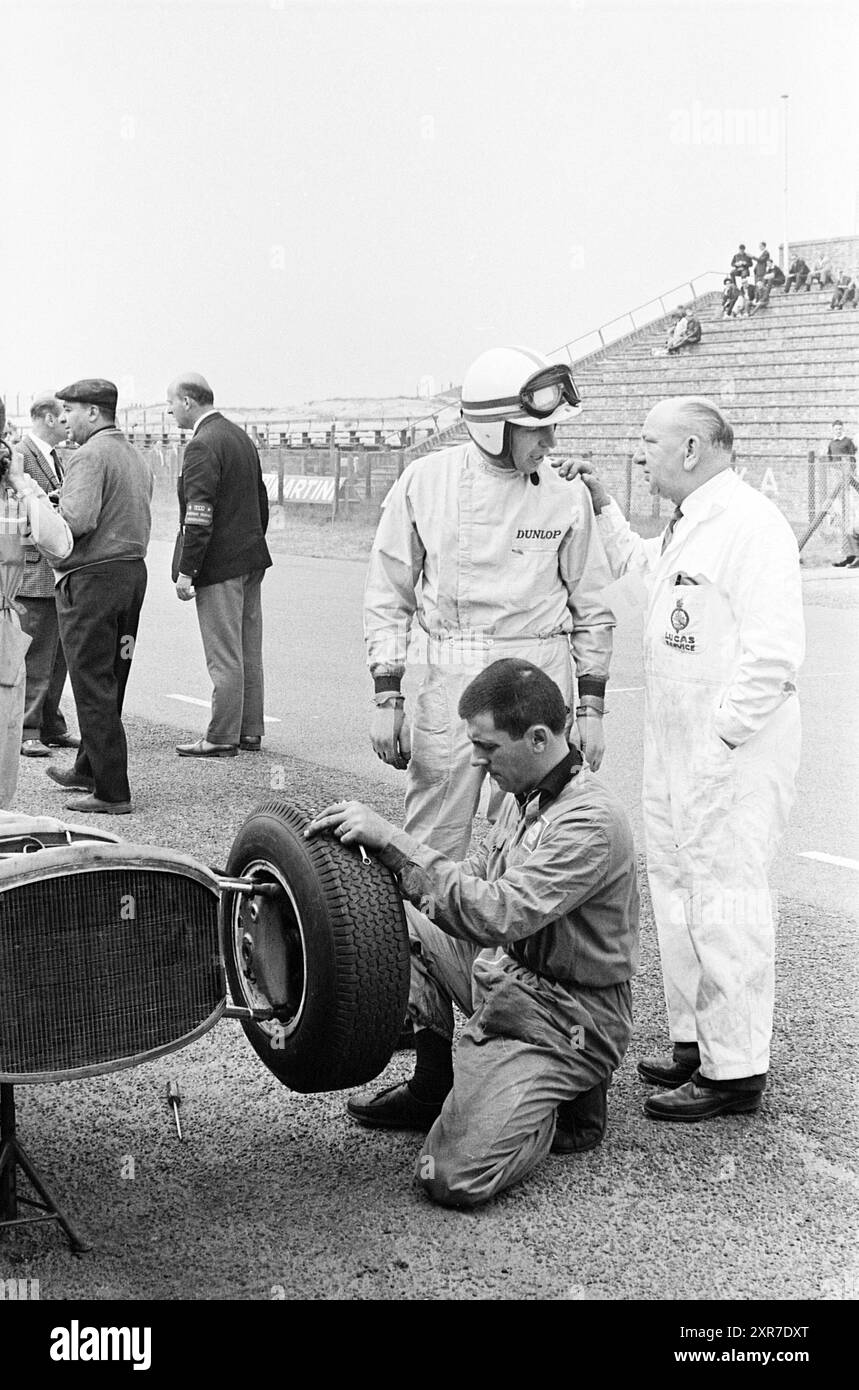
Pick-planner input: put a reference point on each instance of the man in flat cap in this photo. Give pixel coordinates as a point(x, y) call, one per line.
point(44, 723)
point(106, 501)
point(223, 514)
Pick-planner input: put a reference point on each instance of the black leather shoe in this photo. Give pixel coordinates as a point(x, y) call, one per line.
point(672, 1071)
point(581, 1122)
point(406, 1040)
point(251, 745)
point(70, 781)
point(394, 1108)
point(62, 741)
point(692, 1102)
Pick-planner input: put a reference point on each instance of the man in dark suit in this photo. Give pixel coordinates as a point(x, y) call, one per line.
point(44, 725)
point(223, 515)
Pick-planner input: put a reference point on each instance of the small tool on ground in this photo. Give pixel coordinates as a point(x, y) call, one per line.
point(174, 1097)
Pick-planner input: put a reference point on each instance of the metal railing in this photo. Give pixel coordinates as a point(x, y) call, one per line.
point(684, 293)
point(396, 432)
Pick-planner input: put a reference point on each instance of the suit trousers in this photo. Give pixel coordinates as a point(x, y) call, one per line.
point(99, 610)
point(230, 617)
point(46, 669)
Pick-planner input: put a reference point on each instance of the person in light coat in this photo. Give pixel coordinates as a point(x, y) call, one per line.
point(26, 519)
point(723, 641)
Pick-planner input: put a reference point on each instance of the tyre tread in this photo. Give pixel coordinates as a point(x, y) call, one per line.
point(366, 919)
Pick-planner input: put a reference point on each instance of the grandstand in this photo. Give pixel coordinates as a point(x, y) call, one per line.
point(781, 376)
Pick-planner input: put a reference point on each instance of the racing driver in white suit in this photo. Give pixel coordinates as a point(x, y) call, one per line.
point(723, 641)
point(498, 560)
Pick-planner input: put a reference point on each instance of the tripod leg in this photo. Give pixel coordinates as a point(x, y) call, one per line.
point(8, 1192)
point(75, 1241)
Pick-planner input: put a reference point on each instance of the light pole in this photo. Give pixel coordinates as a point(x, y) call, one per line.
point(784, 97)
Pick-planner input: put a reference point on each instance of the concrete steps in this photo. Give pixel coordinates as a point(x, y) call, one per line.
point(781, 376)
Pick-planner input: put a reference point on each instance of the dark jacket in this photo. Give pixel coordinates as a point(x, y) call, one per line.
point(223, 506)
point(105, 498)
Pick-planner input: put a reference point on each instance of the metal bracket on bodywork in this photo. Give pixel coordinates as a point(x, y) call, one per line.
point(248, 886)
point(250, 1015)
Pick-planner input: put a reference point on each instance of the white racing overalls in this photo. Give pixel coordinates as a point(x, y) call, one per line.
point(723, 640)
point(493, 566)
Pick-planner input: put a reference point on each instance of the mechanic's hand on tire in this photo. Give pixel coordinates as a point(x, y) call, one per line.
point(391, 736)
point(589, 737)
point(352, 823)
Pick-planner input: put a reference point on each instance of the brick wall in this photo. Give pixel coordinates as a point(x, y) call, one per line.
point(844, 250)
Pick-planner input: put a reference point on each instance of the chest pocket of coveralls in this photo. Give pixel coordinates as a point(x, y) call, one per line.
point(690, 632)
point(532, 568)
point(536, 544)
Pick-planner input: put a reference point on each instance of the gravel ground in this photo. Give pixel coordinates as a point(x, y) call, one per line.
point(275, 1195)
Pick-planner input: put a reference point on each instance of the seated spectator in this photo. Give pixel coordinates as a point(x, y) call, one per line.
point(774, 276)
point(821, 270)
point(741, 262)
point(672, 328)
point(797, 274)
point(845, 289)
point(745, 297)
point(763, 260)
point(730, 295)
point(686, 333)
point(840, 284)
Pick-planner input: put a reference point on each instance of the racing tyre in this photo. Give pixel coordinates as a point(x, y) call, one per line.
point(328, 951)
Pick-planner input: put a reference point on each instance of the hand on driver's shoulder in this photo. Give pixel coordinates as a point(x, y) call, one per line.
point(578, 467)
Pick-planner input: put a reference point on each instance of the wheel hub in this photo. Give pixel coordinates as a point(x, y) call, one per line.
point(268, 937)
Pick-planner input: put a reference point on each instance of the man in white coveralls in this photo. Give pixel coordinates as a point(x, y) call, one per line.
point(482, 541)
point(723, 641)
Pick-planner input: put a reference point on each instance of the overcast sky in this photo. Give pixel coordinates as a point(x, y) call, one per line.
point(303, 199)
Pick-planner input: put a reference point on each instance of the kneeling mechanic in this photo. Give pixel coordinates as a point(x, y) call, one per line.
point(549, 1016)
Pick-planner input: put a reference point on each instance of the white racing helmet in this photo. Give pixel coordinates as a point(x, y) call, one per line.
point(515, 386)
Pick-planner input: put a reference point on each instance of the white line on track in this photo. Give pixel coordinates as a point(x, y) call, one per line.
point(624, 689)
point(837, 859)
point(192, 700)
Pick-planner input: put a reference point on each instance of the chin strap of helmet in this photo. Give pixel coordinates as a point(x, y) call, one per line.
point(506, 455)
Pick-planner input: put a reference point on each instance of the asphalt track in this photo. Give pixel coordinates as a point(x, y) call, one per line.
point(277, 1196)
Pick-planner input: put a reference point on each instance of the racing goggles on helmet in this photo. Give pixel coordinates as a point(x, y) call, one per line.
point(547, 389)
